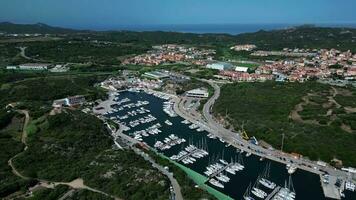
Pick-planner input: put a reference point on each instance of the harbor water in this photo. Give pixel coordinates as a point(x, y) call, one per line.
point(306, 185)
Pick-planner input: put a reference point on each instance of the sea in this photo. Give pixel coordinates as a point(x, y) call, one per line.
point(232, 29)
point(306, 185)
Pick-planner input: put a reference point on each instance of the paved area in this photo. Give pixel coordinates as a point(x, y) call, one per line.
point(329, 189)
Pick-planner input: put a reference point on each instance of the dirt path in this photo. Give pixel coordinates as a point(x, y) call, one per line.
point(75, 184)
point(294, 115)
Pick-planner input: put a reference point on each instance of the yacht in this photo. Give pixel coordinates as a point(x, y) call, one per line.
point(193, 126)
point(247, 195)
point(216, 183)
point(267, 183)
point(350, 186)
point(223, 162)
point(260, 192)
point(200, 130)
point(291, 168)
point(168, 122)
point(257, 194)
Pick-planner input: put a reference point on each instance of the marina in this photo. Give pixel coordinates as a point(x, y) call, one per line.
point(203, 150)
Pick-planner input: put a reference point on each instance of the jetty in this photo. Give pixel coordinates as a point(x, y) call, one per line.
point(189, 154)
point(273, 193)
point(220, 170)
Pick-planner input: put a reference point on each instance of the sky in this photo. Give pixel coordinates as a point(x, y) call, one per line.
point(111, 13)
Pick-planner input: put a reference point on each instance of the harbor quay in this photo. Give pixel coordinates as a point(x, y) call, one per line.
point(234, 140)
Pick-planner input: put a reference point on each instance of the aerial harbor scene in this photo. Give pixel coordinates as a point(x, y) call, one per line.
point(149, 118)
point(177, 100)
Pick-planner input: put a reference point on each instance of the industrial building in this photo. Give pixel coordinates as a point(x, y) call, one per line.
point(241, 69)
point(69, 101)
point(200, 93)
point(158, 75)
point(220, 66)
point(34, 66)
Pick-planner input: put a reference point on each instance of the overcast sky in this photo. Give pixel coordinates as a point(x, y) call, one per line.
point(111, 13)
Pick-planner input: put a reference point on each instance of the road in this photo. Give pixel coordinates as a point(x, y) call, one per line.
point(235, 140)
point(176, 188)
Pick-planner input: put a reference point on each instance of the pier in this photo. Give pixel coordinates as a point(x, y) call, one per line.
point(189, 154)
point(273, 193)
point(220, 170)
point(330, 190)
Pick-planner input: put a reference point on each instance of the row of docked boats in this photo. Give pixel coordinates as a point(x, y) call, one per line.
point(192, 125)
point(169, 142)
point(139, 111)
point(143, 120)
point(159, 95)
point(217, 172)
point(152, 130)
point(190, 154)
point(287, 192)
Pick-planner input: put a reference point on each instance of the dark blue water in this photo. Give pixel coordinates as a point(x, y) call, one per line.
point(232, 29)
point(306, 185)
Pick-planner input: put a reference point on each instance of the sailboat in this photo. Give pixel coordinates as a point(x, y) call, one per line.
point(257, 191)
point(247, 195)
point(264, 179)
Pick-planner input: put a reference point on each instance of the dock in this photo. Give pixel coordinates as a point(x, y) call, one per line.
point(330, 190)
point(273, 193)
point(220, 170)
point(189, 154)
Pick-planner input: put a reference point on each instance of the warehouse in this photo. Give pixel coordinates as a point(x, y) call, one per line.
point(200, 93)
point(33, 66)
point(220, 66)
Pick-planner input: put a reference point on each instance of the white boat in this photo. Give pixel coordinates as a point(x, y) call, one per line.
point(350, 186)
point(216, 183)
point(267, 183)
point(263, 193)
point(230, 170)
point(247, 195)
point(185, 122)
point(248, 154)
point(193, 126)
point(168, 122)
point(223, 162)
point(291, 168)
point(257, 194)
point(200, 130)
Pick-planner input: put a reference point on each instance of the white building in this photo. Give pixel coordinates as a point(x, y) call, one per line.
point(200, 93)
point(33, 66)
point(69, 101)
point(11, 67)
point(220, 66)
point(241, 69)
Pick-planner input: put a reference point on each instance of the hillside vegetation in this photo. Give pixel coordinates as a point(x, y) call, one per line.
point(74, 145)
point(314, 123)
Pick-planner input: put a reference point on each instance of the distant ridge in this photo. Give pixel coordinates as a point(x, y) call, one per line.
point(9, 27)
